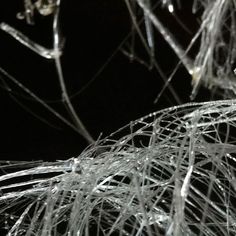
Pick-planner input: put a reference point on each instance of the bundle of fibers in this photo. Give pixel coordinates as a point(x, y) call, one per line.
point(213, 63)
point(170, 173)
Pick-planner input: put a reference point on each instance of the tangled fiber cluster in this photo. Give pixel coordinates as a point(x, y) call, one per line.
point(170, 173)
point(213, 65)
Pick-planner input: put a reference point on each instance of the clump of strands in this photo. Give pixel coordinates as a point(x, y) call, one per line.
point(214, 64)
point(170, 173)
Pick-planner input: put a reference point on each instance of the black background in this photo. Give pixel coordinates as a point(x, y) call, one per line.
point(121, 92)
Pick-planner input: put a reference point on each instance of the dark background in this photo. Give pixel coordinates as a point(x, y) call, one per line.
point(120, 92)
